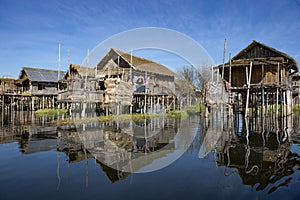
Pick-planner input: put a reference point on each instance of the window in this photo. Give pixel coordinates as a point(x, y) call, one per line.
point(41, 86)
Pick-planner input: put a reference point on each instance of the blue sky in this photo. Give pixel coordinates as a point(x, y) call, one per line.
point(30, 29)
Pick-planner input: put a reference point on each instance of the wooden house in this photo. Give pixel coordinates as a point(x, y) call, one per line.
point(260, 76)
point(8, 89)
point(8, 86)
point(120, 83)
point(79, 89)
point(296, 89)
point(36, 81)
point(41, 85)
point(150, 84)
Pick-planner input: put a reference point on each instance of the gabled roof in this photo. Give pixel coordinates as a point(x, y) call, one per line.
point(41, 75)
point(271, 52)
point(136, 62)
point(82, 70)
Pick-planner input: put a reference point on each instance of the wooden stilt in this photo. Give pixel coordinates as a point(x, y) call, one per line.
point(248, 78)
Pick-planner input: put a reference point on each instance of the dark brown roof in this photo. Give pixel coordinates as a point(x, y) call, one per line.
point(137, 63)
point(275, 53)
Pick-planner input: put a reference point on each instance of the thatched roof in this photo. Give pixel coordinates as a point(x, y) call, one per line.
point(40, 75)
point(136, 63)
point(81, 70)
point(262, 53)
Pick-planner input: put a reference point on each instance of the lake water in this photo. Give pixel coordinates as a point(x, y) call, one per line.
point(158, 158)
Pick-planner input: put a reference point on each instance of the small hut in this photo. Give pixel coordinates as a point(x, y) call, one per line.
point(41, 85)
point(8, 85)
point(8, 90)
point(296, 89)
point(259, 77)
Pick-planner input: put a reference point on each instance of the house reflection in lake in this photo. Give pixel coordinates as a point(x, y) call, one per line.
point(261, 158)
point(130, 146)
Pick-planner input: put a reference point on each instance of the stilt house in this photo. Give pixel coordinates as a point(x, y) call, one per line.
point(150, 84)
point(37, 81)
point(296, 89)
point(260, 76)
point(79, 87)
point(41, 85)
point(8, 89)
point(8, 85)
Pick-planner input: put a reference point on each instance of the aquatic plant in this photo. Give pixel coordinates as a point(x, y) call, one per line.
point(51, 112)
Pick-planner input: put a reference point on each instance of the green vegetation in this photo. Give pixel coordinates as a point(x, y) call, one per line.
point(296, 109)
point(197, 108)
point(135, 117)
point(51, 111)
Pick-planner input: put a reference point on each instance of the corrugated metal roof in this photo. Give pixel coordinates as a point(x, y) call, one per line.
point(42, 75)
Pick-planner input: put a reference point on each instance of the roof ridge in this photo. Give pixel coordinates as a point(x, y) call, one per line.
point(42, 69)
point(136, 57)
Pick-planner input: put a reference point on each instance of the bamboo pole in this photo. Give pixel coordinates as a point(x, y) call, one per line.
point(263, 93)
point(248, 78)
point(229, 79)
point(224, 54)
point(212, 73)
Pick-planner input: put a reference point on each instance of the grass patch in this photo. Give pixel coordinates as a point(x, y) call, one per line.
point(120, 118)
point(197, 108)
point(51, 111)
point(194, 109)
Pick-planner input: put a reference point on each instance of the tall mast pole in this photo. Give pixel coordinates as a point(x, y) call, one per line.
point(224, 54)
point(131, 66)
point(87, 65)
point(58, 74)
point(69, 57)
point(58, 62)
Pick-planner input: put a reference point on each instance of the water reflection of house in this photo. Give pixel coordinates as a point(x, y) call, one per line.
point(128, 141)
point(76, 148)
point(261, 160)
point(35, 138)
point(117, 144)
point(265, 73)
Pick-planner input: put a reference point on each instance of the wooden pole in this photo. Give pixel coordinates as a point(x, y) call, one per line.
point(212, 73)
point(43, 102)
point(229, 79)
point(58, 73)
point(58, 63)
point(263, 92)
point(224, 54)
point(248, 87)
